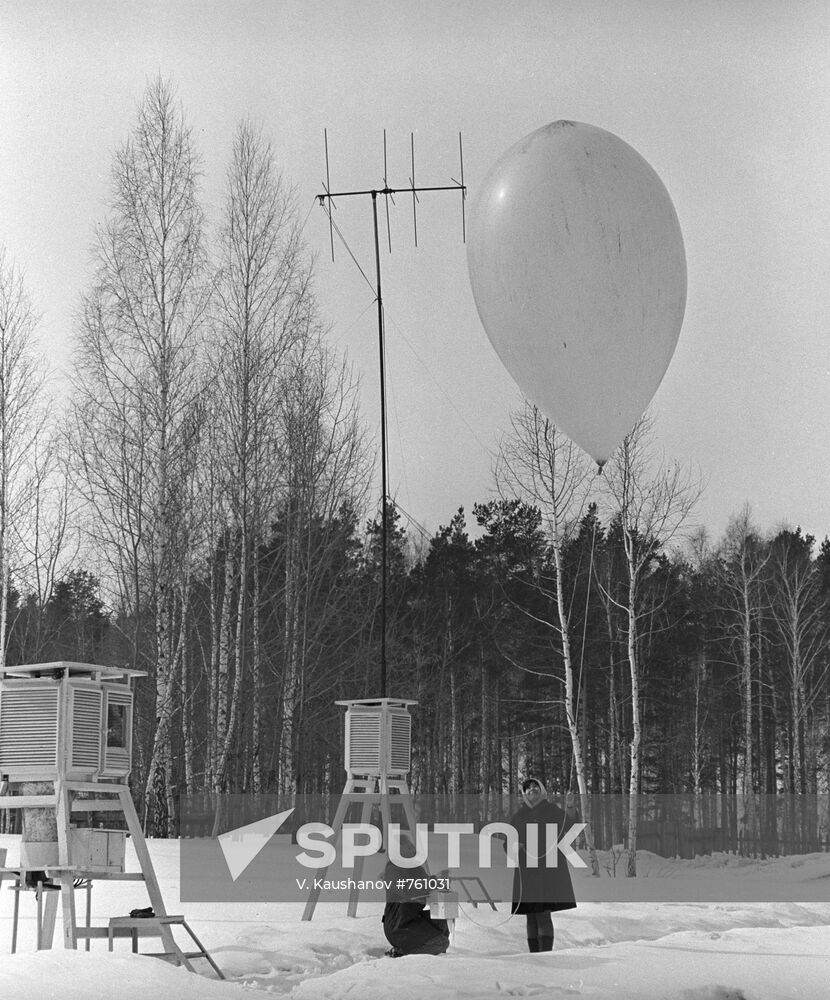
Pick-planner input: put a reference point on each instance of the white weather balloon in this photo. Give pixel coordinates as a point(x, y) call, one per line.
point(578, 272)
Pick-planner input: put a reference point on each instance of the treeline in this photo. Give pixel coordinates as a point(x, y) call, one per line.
point(199, 511)
point(473, 637)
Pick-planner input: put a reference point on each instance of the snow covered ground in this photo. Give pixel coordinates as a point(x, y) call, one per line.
point(618, 951)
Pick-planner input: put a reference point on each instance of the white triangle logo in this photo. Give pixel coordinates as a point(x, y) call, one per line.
point(241, 846)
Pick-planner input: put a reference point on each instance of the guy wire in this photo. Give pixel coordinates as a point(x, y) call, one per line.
point(327, 210)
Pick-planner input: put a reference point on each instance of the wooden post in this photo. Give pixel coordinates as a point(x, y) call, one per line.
point(63, 812)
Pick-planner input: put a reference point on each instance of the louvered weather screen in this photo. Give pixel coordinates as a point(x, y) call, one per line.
point(363, 742)
point(28, 728)
point(65, 719)
point(400, 741)
point(378, 737)
point(85, 729)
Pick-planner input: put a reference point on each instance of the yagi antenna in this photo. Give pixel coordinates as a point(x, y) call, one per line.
point(327, 204)
point(389, 192)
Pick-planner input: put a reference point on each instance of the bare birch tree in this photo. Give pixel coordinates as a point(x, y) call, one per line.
point(799, 610)
point(539, 464)
point(652, 500)
point(137, 396)
point(263, 307)
point(742, 561)
point(50, 539)
point(325, 469)
point(22, 419)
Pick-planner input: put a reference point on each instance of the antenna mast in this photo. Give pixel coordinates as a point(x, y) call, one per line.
point(327, 203)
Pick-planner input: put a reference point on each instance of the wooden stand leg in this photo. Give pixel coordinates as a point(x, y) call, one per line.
point(143, 855)
point(63, 810)
point(405, 800)
point(16, 913)
point(87, 942)
point(180, 956)
point(368, 795)
point(146, 865)
point(365, 816)
point(409, 812)
point(346, 800)
point(50, 912)
point(385, 812)
point(70, 937)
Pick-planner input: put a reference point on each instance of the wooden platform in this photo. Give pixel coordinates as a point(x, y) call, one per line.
point(138, 927)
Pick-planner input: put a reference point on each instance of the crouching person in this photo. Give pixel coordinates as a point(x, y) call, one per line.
point(407, 923)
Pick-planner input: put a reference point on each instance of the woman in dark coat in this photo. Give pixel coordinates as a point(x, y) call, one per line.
point(539, 890)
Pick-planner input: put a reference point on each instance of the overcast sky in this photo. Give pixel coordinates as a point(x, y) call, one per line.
point(728, 100)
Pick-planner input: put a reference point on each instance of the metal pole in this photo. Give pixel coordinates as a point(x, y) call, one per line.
point(383, 525)
point(329, 196)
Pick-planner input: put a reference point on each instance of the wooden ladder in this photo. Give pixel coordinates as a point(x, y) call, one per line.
point(161, 927)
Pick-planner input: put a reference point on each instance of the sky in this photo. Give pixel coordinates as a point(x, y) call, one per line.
point(728, 101)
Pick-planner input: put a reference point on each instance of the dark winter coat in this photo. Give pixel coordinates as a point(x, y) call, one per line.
point(406, 921)
point(542, 888)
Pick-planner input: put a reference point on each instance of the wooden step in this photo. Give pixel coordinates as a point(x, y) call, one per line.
point(158, 926)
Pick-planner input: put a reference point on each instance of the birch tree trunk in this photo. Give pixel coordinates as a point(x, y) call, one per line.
point(187, 701)
point(227, 730)
point(540, 463)
point(256, 682)
point(291, 670)
point(799, 611)
point(263, 305)
point(743, 563)
point(652, 501)
point(636, 733)
point(223, 666)
point(571, 701)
